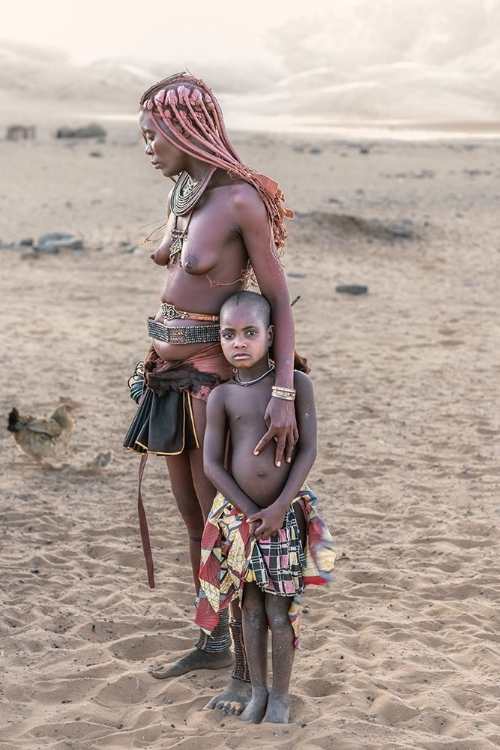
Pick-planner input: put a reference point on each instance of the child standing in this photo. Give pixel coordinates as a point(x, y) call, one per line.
point(263, 540)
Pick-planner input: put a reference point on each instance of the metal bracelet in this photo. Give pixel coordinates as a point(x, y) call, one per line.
point(284, 396)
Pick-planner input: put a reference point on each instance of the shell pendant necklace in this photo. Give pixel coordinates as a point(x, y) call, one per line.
point(183, 199)
point(246, 383)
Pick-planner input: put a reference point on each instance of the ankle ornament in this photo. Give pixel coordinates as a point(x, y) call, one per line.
point(240, 671)
point(219, 640)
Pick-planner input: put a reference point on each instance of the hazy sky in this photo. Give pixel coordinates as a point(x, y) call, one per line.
point(381, 58)
point(215, 30)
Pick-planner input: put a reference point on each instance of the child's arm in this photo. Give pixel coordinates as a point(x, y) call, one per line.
point(214, 451)
point(271, 518)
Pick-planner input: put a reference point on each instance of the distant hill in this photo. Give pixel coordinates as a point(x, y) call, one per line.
point(421, 60)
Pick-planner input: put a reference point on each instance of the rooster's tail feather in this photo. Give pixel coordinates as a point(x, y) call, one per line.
point(13, 425)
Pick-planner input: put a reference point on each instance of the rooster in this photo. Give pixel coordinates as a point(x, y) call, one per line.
point(43, 439)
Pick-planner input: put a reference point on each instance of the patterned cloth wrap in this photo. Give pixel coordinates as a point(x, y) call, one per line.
point(279, 564)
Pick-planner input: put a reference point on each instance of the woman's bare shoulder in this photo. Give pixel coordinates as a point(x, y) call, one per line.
point(245, 196)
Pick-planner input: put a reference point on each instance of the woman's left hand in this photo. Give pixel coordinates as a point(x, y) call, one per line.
point(280, 416)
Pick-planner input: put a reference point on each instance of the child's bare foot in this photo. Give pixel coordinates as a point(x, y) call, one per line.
point(234, 699)
point(196, 659)
point(256, 708)
point(278, 709)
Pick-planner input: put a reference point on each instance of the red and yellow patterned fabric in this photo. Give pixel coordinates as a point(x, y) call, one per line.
point(279, 565)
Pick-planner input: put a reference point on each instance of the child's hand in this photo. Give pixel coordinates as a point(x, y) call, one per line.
point(266, 522)
point(253, 526)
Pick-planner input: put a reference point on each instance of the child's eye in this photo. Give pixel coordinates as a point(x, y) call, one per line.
point(251, 333)
point(227, 335)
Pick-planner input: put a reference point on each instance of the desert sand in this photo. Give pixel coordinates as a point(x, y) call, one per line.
point(402, 651)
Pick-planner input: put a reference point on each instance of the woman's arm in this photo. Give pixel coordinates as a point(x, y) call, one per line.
point(214, 450)
point(271, 518)
point(256, 233)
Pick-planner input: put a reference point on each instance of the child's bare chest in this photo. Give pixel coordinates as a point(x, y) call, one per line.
point(246, 414)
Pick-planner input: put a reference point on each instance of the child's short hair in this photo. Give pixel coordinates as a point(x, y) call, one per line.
point(254, 300)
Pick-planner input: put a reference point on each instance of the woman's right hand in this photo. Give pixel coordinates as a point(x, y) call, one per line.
point(280, 416)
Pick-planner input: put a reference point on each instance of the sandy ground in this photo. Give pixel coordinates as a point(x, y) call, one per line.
point(402, 653)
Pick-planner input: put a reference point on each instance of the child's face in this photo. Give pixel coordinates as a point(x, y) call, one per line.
point(245, 339)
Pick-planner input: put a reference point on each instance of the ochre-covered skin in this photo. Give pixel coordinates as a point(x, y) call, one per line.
point(233, 232)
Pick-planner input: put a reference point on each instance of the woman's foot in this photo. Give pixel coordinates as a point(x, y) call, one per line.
point(196, 659)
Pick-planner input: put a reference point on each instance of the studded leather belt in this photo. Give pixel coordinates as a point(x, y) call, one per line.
point(170, 312)
point(188, 335)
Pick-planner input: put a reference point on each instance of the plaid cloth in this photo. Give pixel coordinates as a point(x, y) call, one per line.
point(279, 564)
point(276, 563)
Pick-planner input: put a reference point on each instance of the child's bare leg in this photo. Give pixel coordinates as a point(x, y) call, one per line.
point(255, 632)
point(188, 481)
point(239, 690)
point(283, 652)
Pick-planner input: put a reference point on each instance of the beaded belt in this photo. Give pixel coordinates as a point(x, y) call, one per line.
point(170, 312)
point(188, 335)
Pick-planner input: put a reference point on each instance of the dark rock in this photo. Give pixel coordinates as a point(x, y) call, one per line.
point(65, 132)
point(87, 131)
point(351, 289)
point(400, 230)
point(54, 242)
point(27, 242)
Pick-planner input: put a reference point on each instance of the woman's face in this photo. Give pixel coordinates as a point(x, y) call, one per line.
point(166, 157)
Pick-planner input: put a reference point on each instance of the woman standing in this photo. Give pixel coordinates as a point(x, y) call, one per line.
point(224, 227)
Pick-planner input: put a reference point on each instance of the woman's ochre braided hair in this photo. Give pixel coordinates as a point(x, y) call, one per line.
point(187, 113)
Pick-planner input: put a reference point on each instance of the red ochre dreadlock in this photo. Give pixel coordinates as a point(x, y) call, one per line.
point(187, 102)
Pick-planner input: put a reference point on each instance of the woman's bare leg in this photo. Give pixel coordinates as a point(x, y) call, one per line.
point(255, 631)
point(194, 495)
point(183, 489)
point(205, 491)
point(283, 652)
